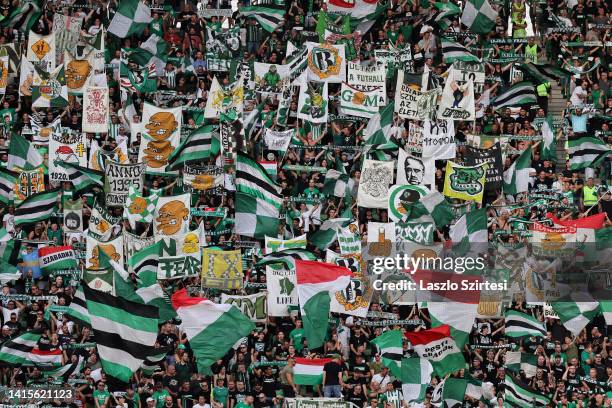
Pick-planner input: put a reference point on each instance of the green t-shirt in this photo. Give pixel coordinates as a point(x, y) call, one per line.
point(311, 193)
point(157, 27)
point(272, 78)
point(243, 405)
point(297, 335)
point(160, 397)
point(101, 396)
point(220, 395)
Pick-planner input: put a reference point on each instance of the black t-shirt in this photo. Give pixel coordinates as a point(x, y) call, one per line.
point(171, 382)
point(356, 399)
point(167, 340)
point(332, 369)
point(269, 385)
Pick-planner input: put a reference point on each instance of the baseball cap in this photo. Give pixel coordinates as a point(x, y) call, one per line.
point(150, 399)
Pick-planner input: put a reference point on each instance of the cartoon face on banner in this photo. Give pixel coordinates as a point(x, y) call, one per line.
point(401, 195)
point(171, 216)
point(77, 72)
point(109, 249)
point(160, 128)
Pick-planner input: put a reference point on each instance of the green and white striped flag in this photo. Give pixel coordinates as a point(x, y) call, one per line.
point(125, 332)
point(445, 12)
point(82, 178)
point(518, 394)
point(378, 130)
point(521, 93)
point(576, 310)
point(8, 179)
point(201, 144)
point(391, 350)
point(144, 263)
point(455, 390)
point(516, 178)
point(23, 154)
point(453, 51)
point(258, 200)
point(549, 141)
point(457, 315)
point(586, 151)
point(287, 257)
point(154, 50)
point(269, 16)
point(78, 308)
point(433, 204)
point(327, 233)
point(416, 376)
point(517, 361)
point(523, 325)
point(17, 351)
point(37, 207)
point(132, 17)
point(335, 183)
point(478, 16)
point(470, 228)
point(24, 16)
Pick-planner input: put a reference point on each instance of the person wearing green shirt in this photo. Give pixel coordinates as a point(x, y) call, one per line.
point(160, 395)
point(156, 26)
point(101, 396)
point(247, 403)
point(271, 78)
point(297, 335)
point(311, 190)
point(220, 394)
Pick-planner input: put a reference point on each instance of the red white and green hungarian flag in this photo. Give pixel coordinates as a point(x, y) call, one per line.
point(317, 282)
point(437, 346)
point(309, 371)
point(212, 329)
point(57, 257)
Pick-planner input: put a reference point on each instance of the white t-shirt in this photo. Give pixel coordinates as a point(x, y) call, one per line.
point(575, 98)
point(382, 380)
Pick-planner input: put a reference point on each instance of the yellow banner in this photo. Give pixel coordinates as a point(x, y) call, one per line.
point(221, 269)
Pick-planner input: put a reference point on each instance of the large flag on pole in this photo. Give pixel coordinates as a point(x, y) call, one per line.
point(317, 281)
point(391, 351)
point(131, 18)
point(478, 16)
point(437, 346)
point(212, 329)
point(125, 332)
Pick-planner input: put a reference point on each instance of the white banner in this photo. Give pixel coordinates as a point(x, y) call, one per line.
point(95, 109)
point(78, 71)
point(255, 306)
point(326, 62)
point(162, 134)
point(359, 103)
point(415, 171)
point(376, 176)
point(278, 140)
point(270, 78)
point(457, 100)
point(275, 244)
point(134, 243)
point(367, 78)
point(69, 148)
point(117, 181)
point(113, 248)
point(66, 31)
point(313, 102)
point(171, 216)
point(41, 51)
point(282, 290)
point(355, 299)
point(439, 139)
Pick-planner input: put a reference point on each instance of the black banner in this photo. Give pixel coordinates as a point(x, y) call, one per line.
point(492, 155)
